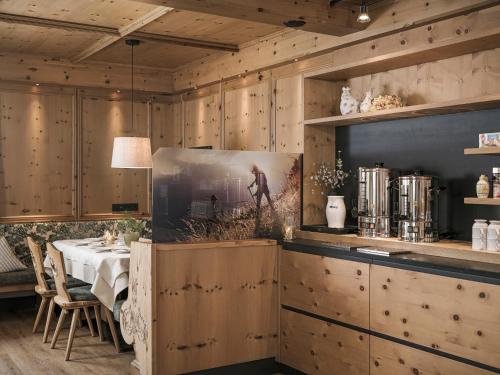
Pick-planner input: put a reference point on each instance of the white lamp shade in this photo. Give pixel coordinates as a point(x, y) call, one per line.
point(131, 152)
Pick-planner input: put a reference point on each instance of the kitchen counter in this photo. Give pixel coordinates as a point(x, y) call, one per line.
point(438, 265)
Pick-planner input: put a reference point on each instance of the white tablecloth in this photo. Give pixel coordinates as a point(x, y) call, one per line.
point(106, 271)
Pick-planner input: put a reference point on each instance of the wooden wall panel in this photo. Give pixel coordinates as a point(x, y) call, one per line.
point(460, 317)
point(217, 304)
point(166, 125)
point(319, 146)
point(330, 287)
point(102, 120)
point(321, 98)
point(289, 99)
point(389, 358)
point(247, 118)
point(36, 154)
point(461, 77)
point(202, 122)
point(320, 348)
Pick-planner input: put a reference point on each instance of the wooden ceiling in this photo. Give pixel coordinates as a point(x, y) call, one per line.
point(94, 30)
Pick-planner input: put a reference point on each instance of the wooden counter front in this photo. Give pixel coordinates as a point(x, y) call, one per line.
point(459, 317)
point(321, 348)
point(333, 288)
point(390, 358)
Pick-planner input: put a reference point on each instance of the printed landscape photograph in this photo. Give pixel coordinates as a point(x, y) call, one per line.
point(207, 195)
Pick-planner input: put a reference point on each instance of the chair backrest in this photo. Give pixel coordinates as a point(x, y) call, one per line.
point(59, 272)
point(37, 259)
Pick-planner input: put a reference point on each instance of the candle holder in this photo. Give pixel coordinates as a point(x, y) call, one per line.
point(289, 229)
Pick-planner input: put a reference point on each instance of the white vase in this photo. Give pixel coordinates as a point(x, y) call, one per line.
point(335, 211)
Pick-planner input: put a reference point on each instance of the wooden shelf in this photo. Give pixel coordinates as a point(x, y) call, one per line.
point(489, 39)
point(452, 106)
point(483, 201)
point(482, 151)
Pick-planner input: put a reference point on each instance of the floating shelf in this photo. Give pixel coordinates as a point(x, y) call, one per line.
point(482, 151)
point(483, 201)
point(452, 106)
point(445, 49)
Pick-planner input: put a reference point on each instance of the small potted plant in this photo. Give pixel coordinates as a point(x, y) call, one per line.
point(330, 181)
point(133, 229)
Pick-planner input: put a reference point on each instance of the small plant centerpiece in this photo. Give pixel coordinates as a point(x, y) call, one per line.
point(133, 229)
point(330, 182)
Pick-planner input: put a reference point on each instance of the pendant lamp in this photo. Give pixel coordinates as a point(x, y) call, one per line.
point(132, 152)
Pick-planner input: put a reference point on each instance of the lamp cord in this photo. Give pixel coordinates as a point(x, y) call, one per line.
point(132, 65)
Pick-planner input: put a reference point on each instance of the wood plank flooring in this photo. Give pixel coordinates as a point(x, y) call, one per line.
point(22, 353)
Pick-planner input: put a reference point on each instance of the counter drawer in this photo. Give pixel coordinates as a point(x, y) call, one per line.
point(451, 315)
point(389, 358)
point(316, 347)
point(330, 287)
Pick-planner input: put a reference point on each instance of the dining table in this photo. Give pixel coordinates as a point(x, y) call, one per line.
point(104, 266)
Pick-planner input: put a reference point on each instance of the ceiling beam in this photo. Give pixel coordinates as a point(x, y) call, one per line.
point(128, 29)
point(113, 32)
point(188, 42)
point(318, 15)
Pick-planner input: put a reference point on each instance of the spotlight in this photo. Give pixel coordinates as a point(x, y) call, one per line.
point(363, 17)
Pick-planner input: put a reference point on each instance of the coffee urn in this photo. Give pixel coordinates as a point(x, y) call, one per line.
point(418, 208)
point(374, 201)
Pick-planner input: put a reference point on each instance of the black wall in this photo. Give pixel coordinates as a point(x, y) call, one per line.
point(436, 145)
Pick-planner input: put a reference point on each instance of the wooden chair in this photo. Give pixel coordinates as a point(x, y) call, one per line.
point(45, 288)
point(73, 299)
point(42, 288)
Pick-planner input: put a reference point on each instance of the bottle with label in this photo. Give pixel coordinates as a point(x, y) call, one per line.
point(496, 182)
point(483, 187)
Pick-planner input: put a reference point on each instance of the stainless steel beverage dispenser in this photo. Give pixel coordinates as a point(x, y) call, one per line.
point(418, 208)
point(374, 201)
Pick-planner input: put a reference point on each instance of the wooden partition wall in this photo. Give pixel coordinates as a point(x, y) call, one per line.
point(198, 306)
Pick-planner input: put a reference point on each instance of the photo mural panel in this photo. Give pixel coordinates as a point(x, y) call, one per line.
point(207, 195)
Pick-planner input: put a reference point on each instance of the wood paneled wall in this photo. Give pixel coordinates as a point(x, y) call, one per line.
point(56, 146)
point(247, 118)
point(36, 153)
point(289, 98)
point(202, 122)
point(102, 119)
point(166, 125)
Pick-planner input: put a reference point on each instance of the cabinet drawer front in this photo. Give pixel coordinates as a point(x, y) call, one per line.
point(317, 347)
point(330, 287)
point(455, 316)
point(389, 358)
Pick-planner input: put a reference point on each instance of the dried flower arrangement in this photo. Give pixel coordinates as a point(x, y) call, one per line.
point(382, 102)
point(329, 179)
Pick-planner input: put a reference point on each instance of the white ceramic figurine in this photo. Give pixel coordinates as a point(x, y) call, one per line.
point(348, 103)
point(367, 102)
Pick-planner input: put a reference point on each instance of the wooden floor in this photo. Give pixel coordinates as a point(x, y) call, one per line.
point(22, 353)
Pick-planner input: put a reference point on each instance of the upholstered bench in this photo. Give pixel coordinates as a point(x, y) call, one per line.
point(17, 283)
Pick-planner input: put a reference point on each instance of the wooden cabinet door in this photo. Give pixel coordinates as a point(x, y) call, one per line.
point(320, 348)
point(330, 287)
point(390, 358)
point(455, 316)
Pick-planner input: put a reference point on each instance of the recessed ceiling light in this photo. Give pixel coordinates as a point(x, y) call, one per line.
point(294, 23)
point(118, 91)
point(37, 84)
